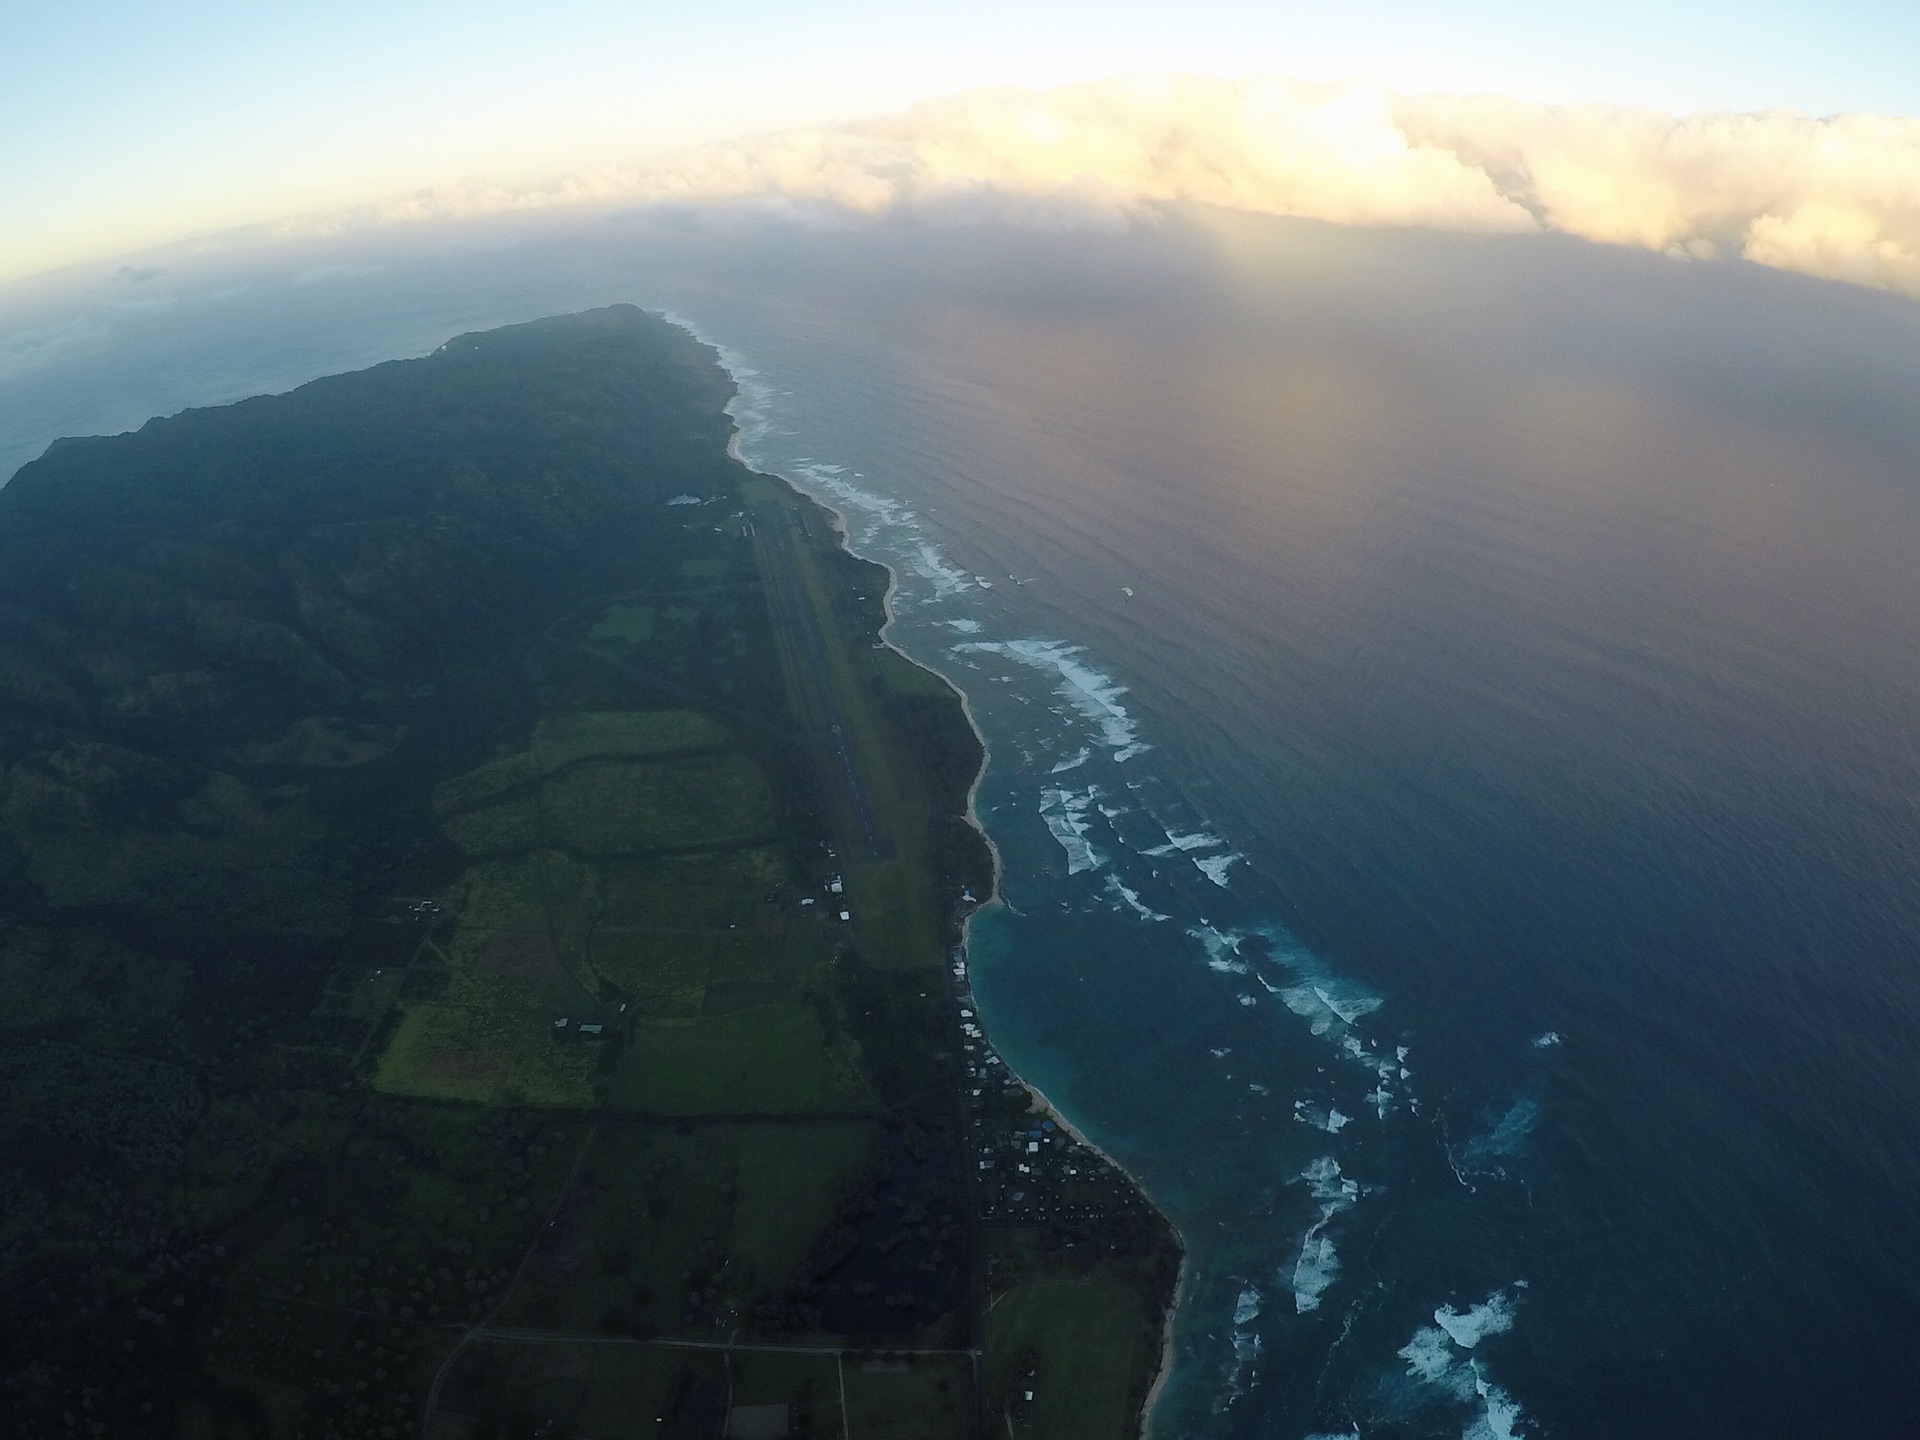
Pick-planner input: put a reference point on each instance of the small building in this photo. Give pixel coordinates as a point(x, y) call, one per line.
point(591, 1029)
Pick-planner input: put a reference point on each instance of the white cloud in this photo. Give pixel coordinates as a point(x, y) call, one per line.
point(1117, 146)
point(1837, 198)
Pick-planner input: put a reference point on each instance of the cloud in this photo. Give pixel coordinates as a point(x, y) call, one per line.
point(1837, 197)
point(321, 274)
point(22, 351)
point(1117, 147)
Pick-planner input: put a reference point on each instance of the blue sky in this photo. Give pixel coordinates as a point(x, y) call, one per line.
point(128, 122)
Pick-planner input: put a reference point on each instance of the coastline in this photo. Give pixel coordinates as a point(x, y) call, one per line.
point(1165, 1366)
point(734, 367)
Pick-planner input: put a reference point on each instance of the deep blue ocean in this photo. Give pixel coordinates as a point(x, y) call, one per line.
point(1454, 707)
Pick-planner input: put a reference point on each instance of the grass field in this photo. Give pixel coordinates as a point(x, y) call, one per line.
point(713, 889)
point(629, 624)
point(790, 1177)
point(623, 1393)
point(603, 807)
point(508, 972)
point(676, 1229)
point(770, 1059)
point(808, 1384)
point(490, 1039)
point(1087, 1340)
point(648, 1224)
point(569, 735)
point(318, 742)
point(666, 973)
point(908, 1397)
point(609, 807)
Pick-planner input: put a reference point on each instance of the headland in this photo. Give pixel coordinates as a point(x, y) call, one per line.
point(484, 942)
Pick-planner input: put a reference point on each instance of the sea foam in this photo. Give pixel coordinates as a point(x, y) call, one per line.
point(1506, 1133)
point(1221, 949)
point(1247, 1308)
point(1215, 867)
point(1094, 696)
point(1501, 1418)
point(1323, 1007)
point(1315, 1271)
point(1131, 899)
point(1429, 1356)
point(1433, 1357)
point(1318, 1266)
point(1198, 840)
point(1065, 813)
point(1329, 1119)
point(948, 579)
point(1492, 1316)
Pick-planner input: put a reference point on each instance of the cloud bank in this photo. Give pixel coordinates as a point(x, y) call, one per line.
point(1837, 198)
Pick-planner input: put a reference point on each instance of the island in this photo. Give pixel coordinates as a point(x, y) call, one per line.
point(482, 944)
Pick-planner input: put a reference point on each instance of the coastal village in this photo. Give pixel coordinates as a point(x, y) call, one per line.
point(1031, 1169)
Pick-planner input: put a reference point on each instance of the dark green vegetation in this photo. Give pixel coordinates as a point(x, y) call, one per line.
point(423, 994)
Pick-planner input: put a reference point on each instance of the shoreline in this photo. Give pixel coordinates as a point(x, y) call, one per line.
point(1039, 1098)
point(728, 364)
point(732, 366)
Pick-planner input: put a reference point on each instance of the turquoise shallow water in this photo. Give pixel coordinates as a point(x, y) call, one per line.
point(1470, 877)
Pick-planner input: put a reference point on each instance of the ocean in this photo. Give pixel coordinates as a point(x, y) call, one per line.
point(1454, 714)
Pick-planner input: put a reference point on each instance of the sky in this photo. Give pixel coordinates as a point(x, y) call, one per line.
point(126, 123)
